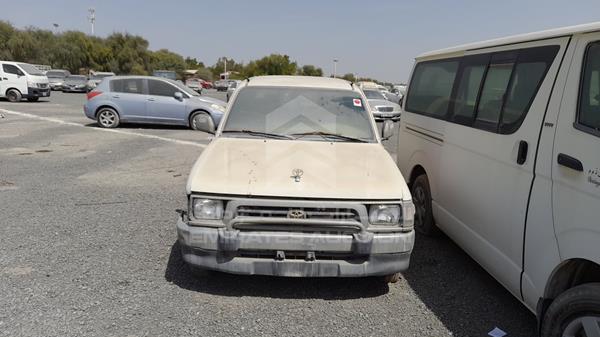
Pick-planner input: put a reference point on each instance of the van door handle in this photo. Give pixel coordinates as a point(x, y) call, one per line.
point(570, 162)
point(116, 96)
point(151, 99)
point(522, 154)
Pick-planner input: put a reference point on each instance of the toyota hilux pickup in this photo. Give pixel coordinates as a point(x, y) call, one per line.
point(296, 182)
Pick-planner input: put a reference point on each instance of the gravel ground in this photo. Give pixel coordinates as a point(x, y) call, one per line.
point(88, 248)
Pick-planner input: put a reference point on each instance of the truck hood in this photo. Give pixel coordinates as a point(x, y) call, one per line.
point(265, 167)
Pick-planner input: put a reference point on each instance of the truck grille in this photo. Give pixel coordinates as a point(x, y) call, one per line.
point(298, 213)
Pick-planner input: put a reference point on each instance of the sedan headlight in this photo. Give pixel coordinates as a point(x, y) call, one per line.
point(207, 209)
point(218, 107)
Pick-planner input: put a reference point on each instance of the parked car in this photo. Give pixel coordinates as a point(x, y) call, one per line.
point(75, 83)
point(390, 96)
point(194, 84)
point(207, 84)
point(170, 74)
point(297, 183)
point(56, 78)
point(155, 100)
point(500, 141)
point(221, 85)
point(97, 77)
point(22, 80)
point(382, 108)
point(231, 89)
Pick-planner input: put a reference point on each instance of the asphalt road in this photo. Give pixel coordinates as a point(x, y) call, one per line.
point(88, 248)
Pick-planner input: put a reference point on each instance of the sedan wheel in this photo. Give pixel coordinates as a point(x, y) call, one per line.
point(108, 118)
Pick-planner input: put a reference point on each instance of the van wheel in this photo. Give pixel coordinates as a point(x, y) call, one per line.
point(576, 312)
point(108, 118)
point(33, 99)
point(201, 121)
point(421, 194)
point(13, 95)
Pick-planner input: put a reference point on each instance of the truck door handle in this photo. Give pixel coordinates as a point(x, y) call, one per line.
point(522, 154)
point(570, 162)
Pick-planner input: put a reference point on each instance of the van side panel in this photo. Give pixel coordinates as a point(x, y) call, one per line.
point(576, 192)
point(541, 253)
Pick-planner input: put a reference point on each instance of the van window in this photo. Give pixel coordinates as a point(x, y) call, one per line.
point(431, 87)
point(11, 69)
point(492, 95)
point(471, 74)
point(128, 85)
point(589, 101)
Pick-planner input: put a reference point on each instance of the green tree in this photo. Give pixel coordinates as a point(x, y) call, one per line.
point(349, 77)
point(274, 64)
point(310, 70)
point(164, 59)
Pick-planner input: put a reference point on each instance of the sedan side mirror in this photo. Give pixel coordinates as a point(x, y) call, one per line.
point(387, 131)
point(178, 96)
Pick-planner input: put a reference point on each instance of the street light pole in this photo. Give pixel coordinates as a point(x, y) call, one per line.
point(92, 18)
point(225, 72)
point(335, 61)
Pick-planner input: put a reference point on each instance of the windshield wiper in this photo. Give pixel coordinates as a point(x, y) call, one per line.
point(327, 135)
point(260, 133)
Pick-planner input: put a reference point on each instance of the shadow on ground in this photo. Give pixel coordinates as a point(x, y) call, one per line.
point(223, 284)
point(132, 126)
point(464, 297)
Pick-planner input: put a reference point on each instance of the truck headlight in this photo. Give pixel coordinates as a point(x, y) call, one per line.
point(385, 214)
point(408, 214)
point(218, 107)
point(207, 209)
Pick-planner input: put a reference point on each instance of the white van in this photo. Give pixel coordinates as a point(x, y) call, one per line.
point(500, 141)
point(22, 80)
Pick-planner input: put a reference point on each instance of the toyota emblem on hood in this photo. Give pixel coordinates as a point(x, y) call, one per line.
point(297, 175)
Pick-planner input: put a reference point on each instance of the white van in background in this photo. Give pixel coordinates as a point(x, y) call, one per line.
point(501, 144)
point(22, 80)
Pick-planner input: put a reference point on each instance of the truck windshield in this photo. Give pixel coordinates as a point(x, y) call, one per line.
point(307, 113)
point(31, 70)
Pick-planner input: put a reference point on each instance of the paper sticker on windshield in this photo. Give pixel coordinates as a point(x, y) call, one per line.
point(357, 102)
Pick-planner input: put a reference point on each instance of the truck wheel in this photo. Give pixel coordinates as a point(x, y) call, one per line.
point(201, 121)
point(574, 313)
point(392, 278)
point(108, 118)
point(421, 194)
point(33, 99)
point(13, 95)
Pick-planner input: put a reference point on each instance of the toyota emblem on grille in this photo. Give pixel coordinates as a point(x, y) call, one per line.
point(297, 175)
point(296, 214)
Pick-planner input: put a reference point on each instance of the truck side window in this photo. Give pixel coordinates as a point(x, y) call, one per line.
point(11, 69)
point(588, 118)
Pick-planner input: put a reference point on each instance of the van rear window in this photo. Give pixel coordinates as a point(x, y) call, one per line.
point(431, 87)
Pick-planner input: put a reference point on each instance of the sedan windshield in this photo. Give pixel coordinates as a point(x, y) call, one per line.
point(76, 79)
point(373, 94)
point(55, 74)
point(31, 70)
point(291, 113)
point(183, 88)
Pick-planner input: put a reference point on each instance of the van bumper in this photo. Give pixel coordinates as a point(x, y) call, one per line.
point(37, 92)
point(295, 254)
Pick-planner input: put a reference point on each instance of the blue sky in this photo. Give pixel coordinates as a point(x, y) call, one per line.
point(371, 38)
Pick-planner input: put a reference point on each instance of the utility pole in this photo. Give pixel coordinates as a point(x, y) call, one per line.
point(335, 61)
point(92, 18)
point(225, 71)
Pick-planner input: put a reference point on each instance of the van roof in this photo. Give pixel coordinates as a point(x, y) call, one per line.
point(299, 81)
point(541, 35)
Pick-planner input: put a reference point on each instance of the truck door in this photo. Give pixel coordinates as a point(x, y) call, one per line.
point(576, 156)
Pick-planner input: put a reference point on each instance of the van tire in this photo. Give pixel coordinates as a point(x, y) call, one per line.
point(421, 194)
point(200, 117)
point(13, 95)
point(33, 99)
point(108, 118)
point(565, 315)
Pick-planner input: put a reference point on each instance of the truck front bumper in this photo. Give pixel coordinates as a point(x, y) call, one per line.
point(295, 254)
